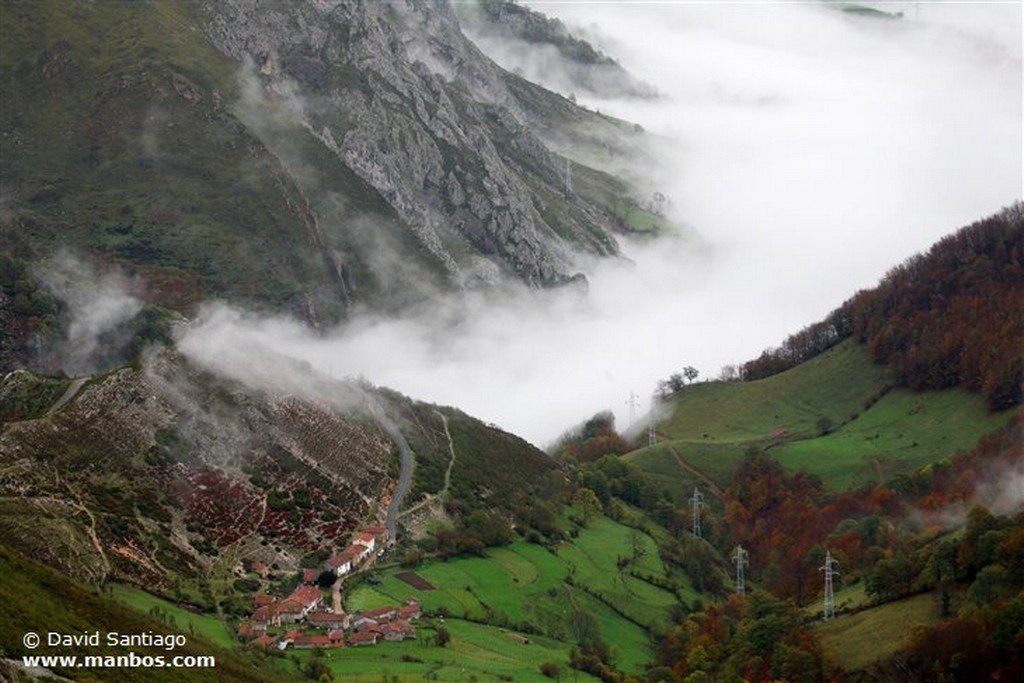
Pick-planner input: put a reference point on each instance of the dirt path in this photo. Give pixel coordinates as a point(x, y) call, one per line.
point(451, 449)
point(715, 489)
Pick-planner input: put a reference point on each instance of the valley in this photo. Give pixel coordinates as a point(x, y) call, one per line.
point(290, 293)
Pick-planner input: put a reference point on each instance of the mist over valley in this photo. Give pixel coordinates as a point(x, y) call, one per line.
point(632, 342)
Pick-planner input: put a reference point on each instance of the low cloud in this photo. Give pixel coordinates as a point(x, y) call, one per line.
point(810, 149)
point(97, 303)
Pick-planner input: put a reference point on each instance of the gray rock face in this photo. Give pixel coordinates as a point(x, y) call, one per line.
point(401, 97)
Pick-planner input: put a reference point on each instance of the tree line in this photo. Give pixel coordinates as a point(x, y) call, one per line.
point(953, 316)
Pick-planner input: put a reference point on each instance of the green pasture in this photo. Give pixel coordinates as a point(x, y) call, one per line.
point(901, 432)
point(182, 620)
point(526, 587)
point(836, 385)
point(873, 433)
point(475, 652)
point(593, 558)
point(858, 640)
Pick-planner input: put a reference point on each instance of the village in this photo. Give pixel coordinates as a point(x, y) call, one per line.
point(303, 620)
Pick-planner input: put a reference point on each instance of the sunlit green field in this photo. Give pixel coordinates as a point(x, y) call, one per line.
point(834, 416)
point(527, 589)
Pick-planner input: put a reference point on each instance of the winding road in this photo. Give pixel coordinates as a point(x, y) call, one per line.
point(404, 474)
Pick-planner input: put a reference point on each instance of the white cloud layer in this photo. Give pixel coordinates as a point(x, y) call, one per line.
point(812, 150)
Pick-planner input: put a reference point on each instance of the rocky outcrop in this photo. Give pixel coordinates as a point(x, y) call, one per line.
point(399, 95)
point(525, 32)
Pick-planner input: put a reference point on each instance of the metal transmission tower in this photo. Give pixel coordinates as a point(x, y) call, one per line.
point(568, 178)
point(739, 558)
point(633, 403)
point(697, 499)
point(830, 598)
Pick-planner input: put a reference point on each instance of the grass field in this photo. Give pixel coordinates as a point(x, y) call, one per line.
point(899, 433)
point(835, 385)
point(858, 640)
point(872, 434)
point(206, 625)
point(527, 588)
point(475, 652)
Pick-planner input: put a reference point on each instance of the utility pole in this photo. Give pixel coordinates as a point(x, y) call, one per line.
point(739, 558)
point(830, 598)
point(697, 500)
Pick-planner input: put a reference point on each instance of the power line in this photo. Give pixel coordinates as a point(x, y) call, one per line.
point(830, 598)
point(633, 403)
point(697, 499)
point(739, 558)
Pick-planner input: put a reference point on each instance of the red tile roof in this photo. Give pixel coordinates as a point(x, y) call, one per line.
point(306, 595)
point(409, 611)
point(320, 618)
point(265, 613)
point(290, 606)
point(380, 613)
point(262, 599)
point(362, 638)
point(263, 641)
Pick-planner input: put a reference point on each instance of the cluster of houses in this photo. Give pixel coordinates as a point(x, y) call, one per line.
point(318, 626)
point(358, 552)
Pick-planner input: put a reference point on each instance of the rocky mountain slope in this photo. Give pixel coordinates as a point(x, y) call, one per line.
point(168, 471)
point(308, 157)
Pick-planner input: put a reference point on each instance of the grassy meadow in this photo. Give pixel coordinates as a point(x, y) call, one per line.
point(527, 589)
point(836, 416)
point(858, 640)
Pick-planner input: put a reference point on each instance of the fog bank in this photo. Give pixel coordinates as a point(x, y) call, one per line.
point(812, 150)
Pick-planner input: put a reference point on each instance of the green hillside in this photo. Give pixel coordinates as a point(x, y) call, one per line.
point(608, 579)
point(859, 640)
point(836, 415)
point(38, 599)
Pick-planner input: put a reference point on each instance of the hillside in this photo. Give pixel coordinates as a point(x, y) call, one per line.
point(173, 476)
point(300, 164)
point(838, 416)
point(47, 601)
point(899, 376)
point(309, 159)
point(948, 317)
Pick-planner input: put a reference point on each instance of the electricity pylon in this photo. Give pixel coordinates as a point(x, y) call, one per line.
point(739, 558)
point(633, 403)
point(697, 499)
point(830, 598)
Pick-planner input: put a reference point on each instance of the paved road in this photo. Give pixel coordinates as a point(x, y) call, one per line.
point(405, 473)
